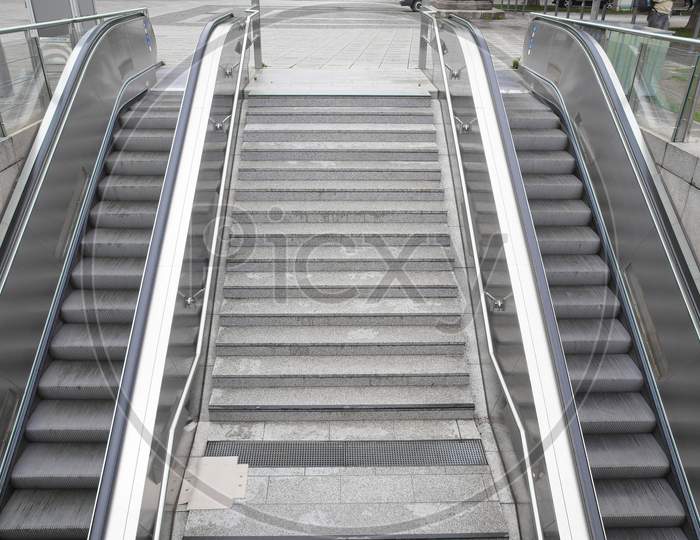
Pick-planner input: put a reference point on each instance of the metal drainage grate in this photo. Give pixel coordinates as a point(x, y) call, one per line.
point(351, 453)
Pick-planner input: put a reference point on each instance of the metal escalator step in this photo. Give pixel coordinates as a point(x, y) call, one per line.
point(557, 162)
point(123, 274)
point(59, 466)
point(99, 306)
point(553, 186)
point(560, 213)
point(123, 214)
point(584, 302)
point(637, 533)
point(576, 270)
point(626, 456)
point(44, 513)
point(107, 273)
point(90, 342)
point(138, 119)
point(622, 412)
point(116, 243)
point(137, 163)
point(639, 503)
point(604, 373)
point(568, 241)
point(540, 140)
point(140, 188)
point(65, 379)
point(70, 421)
point(592, 336)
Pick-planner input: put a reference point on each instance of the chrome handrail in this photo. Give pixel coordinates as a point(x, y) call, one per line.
point(61, 22)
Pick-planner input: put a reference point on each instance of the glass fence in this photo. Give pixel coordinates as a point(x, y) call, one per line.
point(32, 58)
point(659, 74)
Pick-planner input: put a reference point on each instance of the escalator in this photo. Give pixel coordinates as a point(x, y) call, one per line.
point(56, 475)
point(72, 268)
point(629, 465)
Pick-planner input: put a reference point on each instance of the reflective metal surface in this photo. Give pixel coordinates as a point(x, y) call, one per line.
point(659, 73)
point(60, 165)
point(32, 58)
point(662, 296)
point(170, 335)
point(523, 365)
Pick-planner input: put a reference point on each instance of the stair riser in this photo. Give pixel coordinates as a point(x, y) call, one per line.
point(104, 392)
point(339, 240)
point(337, 155)
point(78, 435)
point(247, 172)
point(554, 247)
point(88, 352)
point(255, 117)
point(115, 316)
point(338, 217)
point(55, 483)
point(340, 195)
point(541, 144)
point(447, 319)
point(337, 136)
point(116, 249)
point(243, 415)
point(136, 168)
point(338, 266)
point(282, 292)
point(595, 345)
point(151, 144)
point(357, 102)
point(539, 166)
point(123, 221)
point(341, 380)
point(340, 349)
point(136, 193)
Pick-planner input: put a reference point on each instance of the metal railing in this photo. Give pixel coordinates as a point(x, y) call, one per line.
point(542, 449)
point(32, 58)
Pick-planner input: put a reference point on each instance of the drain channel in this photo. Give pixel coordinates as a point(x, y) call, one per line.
point(351, 453)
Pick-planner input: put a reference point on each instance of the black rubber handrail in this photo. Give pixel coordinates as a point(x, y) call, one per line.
point(63, 101)
point(138, 328)
point(570, 420)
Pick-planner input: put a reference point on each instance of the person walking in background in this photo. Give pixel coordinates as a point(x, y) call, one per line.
point(660, 13)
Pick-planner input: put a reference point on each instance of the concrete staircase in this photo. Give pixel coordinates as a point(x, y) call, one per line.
point(339, 298)
point(341, 318)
